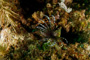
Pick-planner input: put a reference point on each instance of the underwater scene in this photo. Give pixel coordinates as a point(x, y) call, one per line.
point(44, 29)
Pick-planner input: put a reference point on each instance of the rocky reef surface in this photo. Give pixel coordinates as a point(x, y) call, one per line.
point(44, 30)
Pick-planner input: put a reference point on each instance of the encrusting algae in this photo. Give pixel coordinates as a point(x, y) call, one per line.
point(57, 32)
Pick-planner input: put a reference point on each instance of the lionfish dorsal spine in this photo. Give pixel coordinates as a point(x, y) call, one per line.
point(44, 23)
point(53, 18)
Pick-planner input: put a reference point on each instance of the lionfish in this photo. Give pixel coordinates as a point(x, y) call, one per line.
point(50, 29)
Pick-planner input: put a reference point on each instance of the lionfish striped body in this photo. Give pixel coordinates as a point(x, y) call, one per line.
point(48, 29)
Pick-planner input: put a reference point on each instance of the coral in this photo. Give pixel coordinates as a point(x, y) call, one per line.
point(62, 5)
point(12, 31)
point(48, 33)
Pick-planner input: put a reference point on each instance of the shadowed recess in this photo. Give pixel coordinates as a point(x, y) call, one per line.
point(30, 6)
